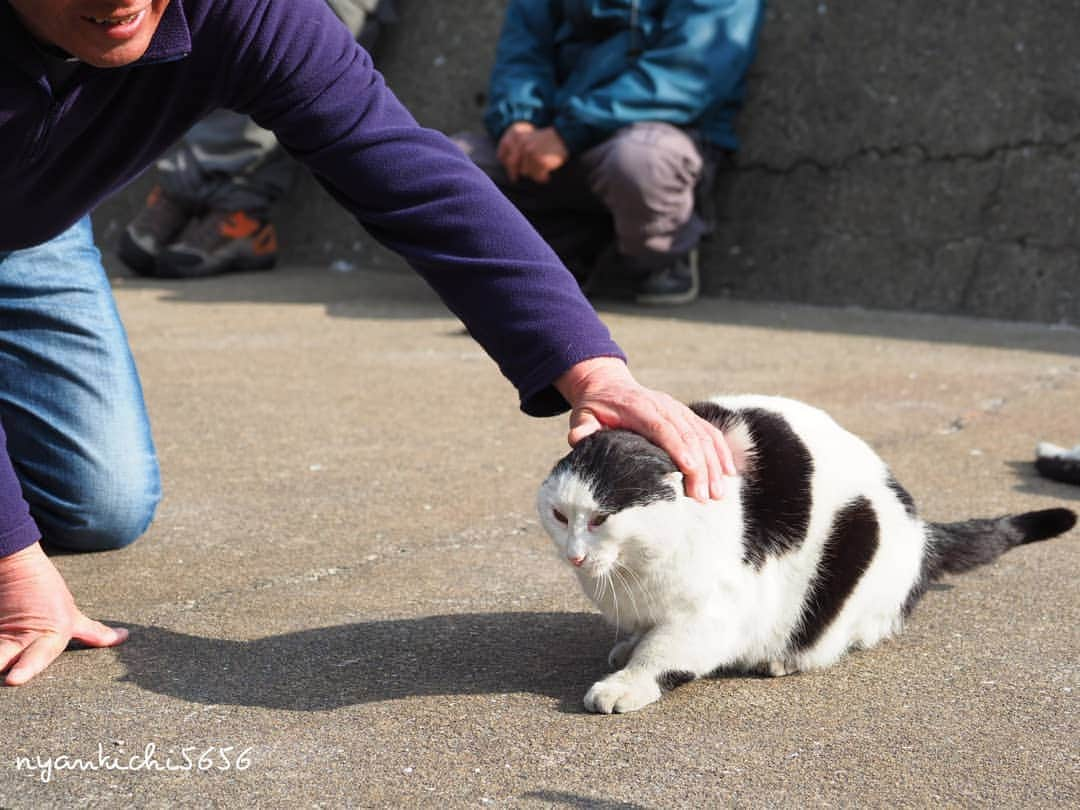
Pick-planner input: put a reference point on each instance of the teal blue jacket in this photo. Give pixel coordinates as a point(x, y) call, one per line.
point(590, 67)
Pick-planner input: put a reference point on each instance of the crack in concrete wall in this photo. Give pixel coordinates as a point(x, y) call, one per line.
point(919, 155)
point(911, 153)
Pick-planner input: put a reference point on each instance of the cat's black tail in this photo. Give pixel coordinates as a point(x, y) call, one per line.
point(957, 547)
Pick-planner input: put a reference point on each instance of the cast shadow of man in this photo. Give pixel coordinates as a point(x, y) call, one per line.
point(557, 655)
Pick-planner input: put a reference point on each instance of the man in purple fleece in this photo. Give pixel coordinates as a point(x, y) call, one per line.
point(91, 92)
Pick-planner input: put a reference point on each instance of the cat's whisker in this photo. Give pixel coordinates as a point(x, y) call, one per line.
point(645, 591)
point(626, 587)
point(598, 593)
point(614, 602)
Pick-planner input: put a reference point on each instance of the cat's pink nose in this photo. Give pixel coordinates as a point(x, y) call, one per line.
point(576, 561)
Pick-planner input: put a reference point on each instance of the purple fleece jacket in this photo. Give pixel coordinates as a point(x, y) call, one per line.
point(296, 70)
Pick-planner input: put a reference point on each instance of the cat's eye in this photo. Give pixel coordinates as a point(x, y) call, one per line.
point(559, 516)
point(597, 521)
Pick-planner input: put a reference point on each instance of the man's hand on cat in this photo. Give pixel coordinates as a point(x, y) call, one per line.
point(603, 394)
point(38, 616)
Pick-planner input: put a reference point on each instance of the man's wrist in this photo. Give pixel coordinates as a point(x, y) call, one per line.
point(19, 539)
point(575, 380)
point(16, 559)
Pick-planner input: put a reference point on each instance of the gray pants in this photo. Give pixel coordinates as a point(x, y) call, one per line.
point(637, 190)
point(228, 162)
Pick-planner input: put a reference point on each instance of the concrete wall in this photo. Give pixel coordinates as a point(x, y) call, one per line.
point(903, 154)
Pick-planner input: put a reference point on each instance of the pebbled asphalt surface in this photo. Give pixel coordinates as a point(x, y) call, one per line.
point(346, 599)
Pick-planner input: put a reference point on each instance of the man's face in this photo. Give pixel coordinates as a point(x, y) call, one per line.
point(103, 33)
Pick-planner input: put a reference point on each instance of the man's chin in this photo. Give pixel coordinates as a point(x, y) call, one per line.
point(119, 56)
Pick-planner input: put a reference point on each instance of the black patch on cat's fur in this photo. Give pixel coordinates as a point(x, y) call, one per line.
point(918, 589)
point(723, 418)
point(902, 494)
point(776, 496)
point(851, 545)
point(622, 468)
point(673, 679)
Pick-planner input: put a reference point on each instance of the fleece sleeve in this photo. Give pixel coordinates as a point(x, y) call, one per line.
point(308, 81)
point(17, 528)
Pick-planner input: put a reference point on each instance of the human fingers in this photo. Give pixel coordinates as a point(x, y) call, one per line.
point(669, 425)
point(723, 450)
point(507, 155)
point(95, 634)
point(603, 393)
point(544, 165)
point(35, 658)
point(717, 456)
point(583, 422)
point(510, 150)
point(9, 651)
point(535, 169)
point(511, 162)
point(510, 138)
point(678, 432)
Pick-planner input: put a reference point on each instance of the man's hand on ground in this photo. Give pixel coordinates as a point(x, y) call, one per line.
point(603, 394)
point(38, 616)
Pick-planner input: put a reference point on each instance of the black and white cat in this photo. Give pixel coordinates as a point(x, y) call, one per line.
point(814, 550)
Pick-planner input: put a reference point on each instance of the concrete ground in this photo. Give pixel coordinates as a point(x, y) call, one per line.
point(346, 582)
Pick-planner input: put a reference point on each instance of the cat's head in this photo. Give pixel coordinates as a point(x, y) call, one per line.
point(611, 500)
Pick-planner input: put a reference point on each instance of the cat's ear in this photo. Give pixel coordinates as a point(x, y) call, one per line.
point(675, 481)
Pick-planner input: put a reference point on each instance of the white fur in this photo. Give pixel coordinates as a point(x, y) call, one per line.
point(671, 574)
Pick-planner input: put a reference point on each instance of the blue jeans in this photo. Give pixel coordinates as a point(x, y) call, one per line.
point(70, 398)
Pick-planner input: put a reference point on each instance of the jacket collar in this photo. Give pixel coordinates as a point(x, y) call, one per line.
point(172, 40)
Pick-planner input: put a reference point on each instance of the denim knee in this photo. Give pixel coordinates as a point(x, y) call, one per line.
point(109, 517)
point(77, 431)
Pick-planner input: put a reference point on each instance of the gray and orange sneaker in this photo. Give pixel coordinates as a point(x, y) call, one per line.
point(220, 242)
point(159, 223)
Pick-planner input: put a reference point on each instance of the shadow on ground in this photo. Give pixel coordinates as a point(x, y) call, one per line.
point(557, 798)
point(553, 654)
point(1032, 483)
point(395, 292)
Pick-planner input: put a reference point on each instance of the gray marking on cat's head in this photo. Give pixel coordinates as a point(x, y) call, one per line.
point(622, 469)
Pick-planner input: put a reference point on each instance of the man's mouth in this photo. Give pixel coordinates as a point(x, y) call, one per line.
point(114, 21)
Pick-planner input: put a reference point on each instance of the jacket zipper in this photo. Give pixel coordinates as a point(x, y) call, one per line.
point(44, 131)
point(635, 43)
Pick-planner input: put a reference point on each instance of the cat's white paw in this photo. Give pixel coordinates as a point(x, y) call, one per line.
point(620, 653)
point(622, 692)
point(778, 669)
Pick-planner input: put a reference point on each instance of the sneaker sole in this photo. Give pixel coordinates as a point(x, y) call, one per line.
point(237, 264)
point(671, 299)
point(138, 260)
